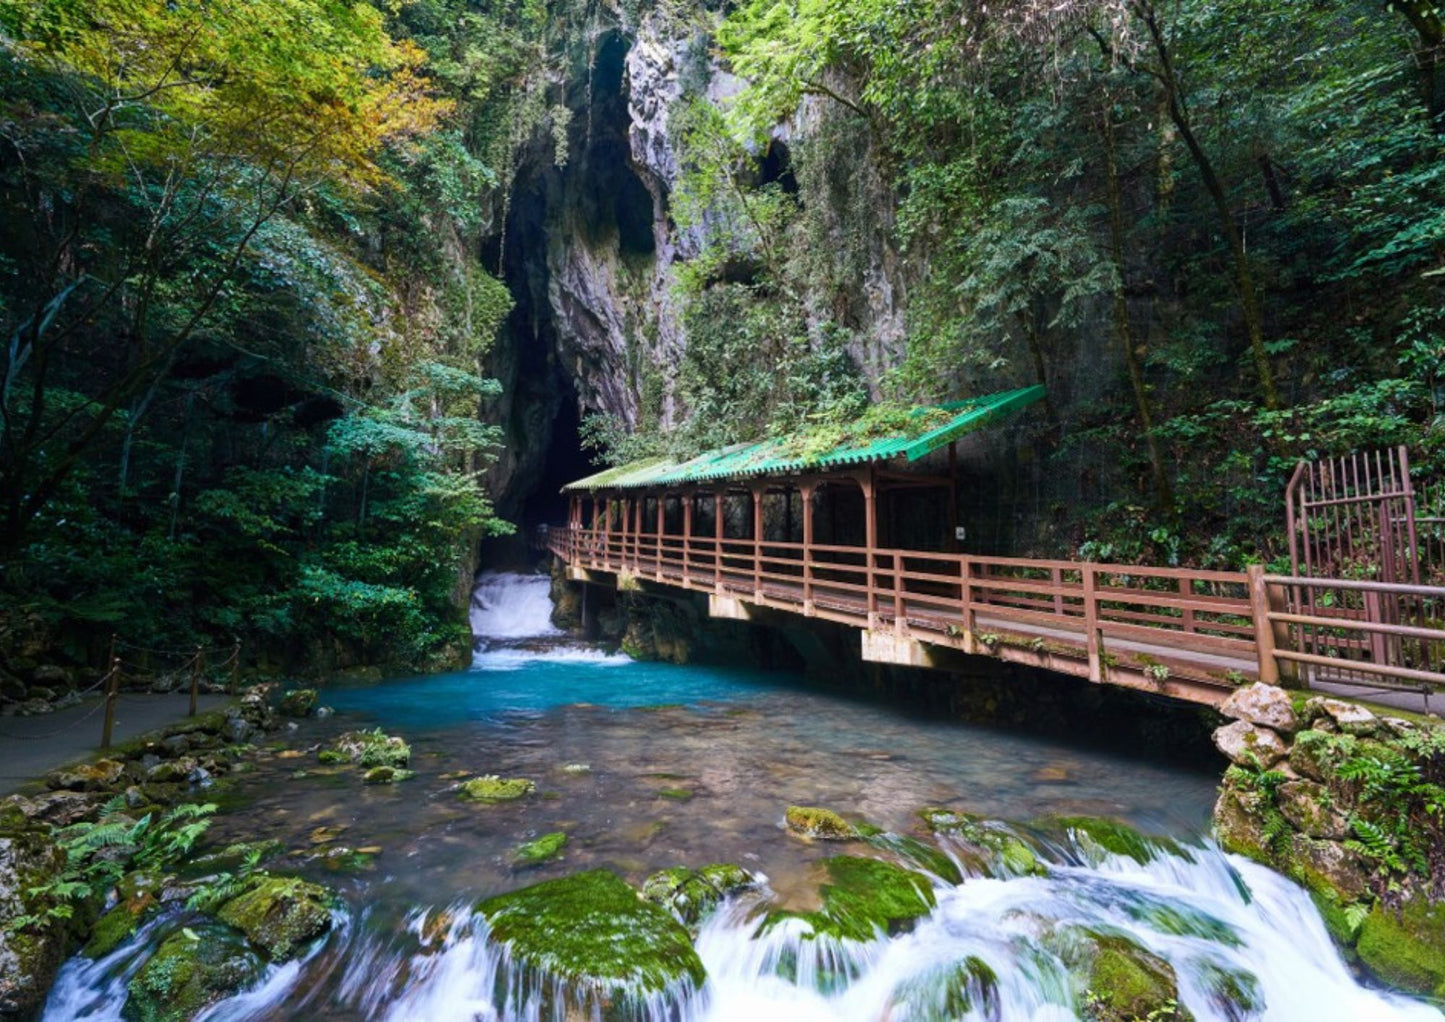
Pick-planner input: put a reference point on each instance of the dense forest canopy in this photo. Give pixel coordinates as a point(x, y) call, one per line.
point(253, 256)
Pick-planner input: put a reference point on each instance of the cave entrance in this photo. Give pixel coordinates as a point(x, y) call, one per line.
point(563, 462)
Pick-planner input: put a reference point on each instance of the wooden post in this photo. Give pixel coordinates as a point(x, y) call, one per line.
point(661, 527)
point(236, 668)
point(1093, 640)
point(1259, 607)
point(807, 496)
point(870, 541)
point(970, 616)
point(719, 503)
point(900, 613)
point(1056, 577)
point(688, 500)
point(758, 493)
point(112, 693)
point(1186, 590)
point(196, 662)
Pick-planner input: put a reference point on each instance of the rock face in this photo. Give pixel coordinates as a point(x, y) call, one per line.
point(1266, 705)
point(29, 955)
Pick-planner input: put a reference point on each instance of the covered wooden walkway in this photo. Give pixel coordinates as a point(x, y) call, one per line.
point(742, 526)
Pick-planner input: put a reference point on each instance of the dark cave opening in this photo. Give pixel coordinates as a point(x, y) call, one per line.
point(612, 201)
point(776, 167)
point(565, 462)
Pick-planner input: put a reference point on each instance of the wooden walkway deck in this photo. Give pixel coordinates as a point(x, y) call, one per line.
point(1192, 635)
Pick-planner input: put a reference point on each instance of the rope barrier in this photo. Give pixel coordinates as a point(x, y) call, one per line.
point(58, 731)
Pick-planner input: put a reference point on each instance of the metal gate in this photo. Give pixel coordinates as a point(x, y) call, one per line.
point(1353, 517)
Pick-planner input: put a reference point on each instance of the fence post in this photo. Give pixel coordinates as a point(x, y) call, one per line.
point(900, 610)
point(236, 667)
point(1259, 608)
point(1092, 639)
point(112, 691)
point(970, 623)
point(196, 662)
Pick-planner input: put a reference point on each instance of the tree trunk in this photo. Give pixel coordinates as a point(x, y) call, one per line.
point(1243, 275)
point(1163, 493)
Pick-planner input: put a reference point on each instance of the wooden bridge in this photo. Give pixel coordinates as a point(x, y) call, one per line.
point(1187, 634)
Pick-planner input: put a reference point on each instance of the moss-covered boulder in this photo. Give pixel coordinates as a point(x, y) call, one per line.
point(1406, 948)
point(595, 936)
point(387, 775)
point(193, 968)
point(492, 789)
point(31, 953)
point(986, 847)
point(821, 824)
point(1116, 979)
point(963, 989)
point(299, 702)
point(542, 849)
point(279, 915)
point(369, 749)
point(1096, 838)
point(690, 894)
point(864, 898)
point(138, 897)
point(917, 854)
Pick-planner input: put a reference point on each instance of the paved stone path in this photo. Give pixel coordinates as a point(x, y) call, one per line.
point(31, 747)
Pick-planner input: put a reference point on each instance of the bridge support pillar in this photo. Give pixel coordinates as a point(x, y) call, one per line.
point(882, 647)
point(729, 608)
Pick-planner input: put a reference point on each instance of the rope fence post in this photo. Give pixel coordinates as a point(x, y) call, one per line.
point(196, 662)
point(112, 692)
point(236, 667)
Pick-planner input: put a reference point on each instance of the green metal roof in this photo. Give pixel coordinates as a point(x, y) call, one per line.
point(779, 455)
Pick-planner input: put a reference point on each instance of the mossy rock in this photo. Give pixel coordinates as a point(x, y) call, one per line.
point(690, 894)
point(918, 854)
point(138, 897)
point(1235, 993)
point(1097, 837)
point(863, 898)
point(950, 992)
point(1341, 920)
point(30, 955)
point(192, 968)
point(493, 789)
point(298, 702)
point(1118, 980)
point(1406, 948)
point(280, 915)
point(987, 847)
point(231, 857)
point(387, 775)
point(370, 749)
point(543, 849)
point(822, 824)
point(593, 933)
point(332, 757)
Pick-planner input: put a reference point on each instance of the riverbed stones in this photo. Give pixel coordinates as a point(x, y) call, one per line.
point(817, 823)
point(492, 789)
point(298, 702)
point(540, 850)
point(279, 915)
point(1265, 705)
point(592, 933)
point(1248, 745)
point(690, 894)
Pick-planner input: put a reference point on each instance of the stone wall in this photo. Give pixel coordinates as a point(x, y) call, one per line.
point(1348, 803)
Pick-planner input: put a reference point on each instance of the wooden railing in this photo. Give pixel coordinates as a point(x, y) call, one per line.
point(1102, 621)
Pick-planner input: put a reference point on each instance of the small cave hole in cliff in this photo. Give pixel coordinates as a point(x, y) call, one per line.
point(613, 201)
point(776, 167)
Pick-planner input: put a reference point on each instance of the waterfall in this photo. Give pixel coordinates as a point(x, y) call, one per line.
point(512, 606)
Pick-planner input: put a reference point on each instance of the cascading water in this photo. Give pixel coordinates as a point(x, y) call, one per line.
point(613, 744)
point(507, 605)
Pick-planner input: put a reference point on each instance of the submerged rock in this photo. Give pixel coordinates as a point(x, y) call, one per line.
point(822, 824)
point(986, 847)
point(1117, 979)
point(964, 989)
point(593, 933)
point(387, 775)
point(1097, 837)
point(279, 915)
point(548, 846)
point(864, 898)
point(690, 894)
point(492, 788)
point(192, 969)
